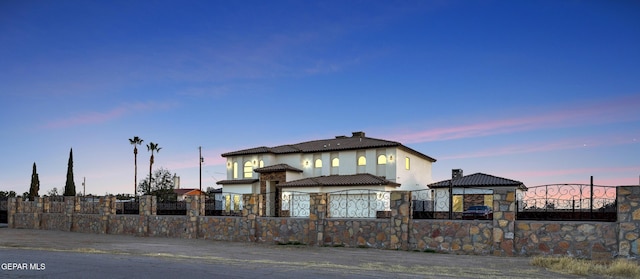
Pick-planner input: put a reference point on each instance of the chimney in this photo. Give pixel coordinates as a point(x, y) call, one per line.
point(176, 181)
point(358, 134)
point(456, 173)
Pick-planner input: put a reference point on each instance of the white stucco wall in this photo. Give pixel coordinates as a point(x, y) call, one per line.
point(419, 174)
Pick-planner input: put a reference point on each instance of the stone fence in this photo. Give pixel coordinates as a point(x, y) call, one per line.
point(502, 236)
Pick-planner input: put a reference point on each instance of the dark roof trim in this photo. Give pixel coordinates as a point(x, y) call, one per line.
point(364, 179)
point(236, 181)
point(340, 143)
point(479, 180)
point(277, 168)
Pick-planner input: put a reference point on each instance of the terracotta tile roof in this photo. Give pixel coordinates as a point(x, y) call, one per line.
point(278, 167)
point(237, 181)
point(364, 179)
point(478, 180)
point(187, 191)
point(339, 143)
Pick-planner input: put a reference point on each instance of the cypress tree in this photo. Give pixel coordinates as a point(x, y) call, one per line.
point(35, 184)
point(70, 186)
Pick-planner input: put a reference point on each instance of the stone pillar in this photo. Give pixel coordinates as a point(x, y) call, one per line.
point(400, 203)
point(317, 217)
point(147, 207)
point(71, 205)
point(106, 209)
point(504, 216)
point(37, 214)
point(628, 200)
point(195, 209)
point(250, 211)
point(46, 206)
point(12, 209)
point(195, 206)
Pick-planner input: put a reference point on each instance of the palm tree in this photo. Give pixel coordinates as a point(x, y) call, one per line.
point(135, 141)
point(152, 147)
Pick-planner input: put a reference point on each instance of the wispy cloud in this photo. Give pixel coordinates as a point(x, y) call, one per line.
point(573, 143)
point(599, 174)
point(96, 117)
point(617, 110)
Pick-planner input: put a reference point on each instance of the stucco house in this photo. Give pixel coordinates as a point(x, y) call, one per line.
point(326, 165)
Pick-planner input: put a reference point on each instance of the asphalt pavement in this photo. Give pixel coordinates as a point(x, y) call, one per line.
point(243, 260)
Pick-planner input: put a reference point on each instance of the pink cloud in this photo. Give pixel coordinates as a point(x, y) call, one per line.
point(101, 117)
point(616, 175)
point(616, 110)
point(544, 147)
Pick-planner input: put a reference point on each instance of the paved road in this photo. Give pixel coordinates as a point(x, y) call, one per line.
point(78, 255)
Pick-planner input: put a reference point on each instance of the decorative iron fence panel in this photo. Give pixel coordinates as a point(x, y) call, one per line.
point(131, 206)
point(89, 205)
point(294, 204)
point(216, 205)
point(56, 204)
point(359, 204)
point(567, 202)
point(171, 208)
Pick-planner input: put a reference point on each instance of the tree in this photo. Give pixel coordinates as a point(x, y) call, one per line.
point(35, 184)
point(135, 141)
point(163, 186)
point(152, 147)
point(7, 194)
point(53, 192)
point(70, 186)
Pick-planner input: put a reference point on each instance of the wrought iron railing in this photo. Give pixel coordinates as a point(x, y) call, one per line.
point(568, 202)
point(286, 204)
point(89, 205)
point(171, 208)
point(131, 206)
point(359, 204)
point(435, 203)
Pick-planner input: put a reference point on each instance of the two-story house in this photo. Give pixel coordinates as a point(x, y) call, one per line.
point(328, 165)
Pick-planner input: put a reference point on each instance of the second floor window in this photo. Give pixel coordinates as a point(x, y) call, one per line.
point(248, 170)
point(382, 160)
point(335, 162)
point(318, 163)
point(362, 161)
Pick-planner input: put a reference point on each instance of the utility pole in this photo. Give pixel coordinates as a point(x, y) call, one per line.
point(84, 186)
point(201, 160)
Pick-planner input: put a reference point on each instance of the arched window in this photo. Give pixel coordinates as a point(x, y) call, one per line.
point(248, 169)
point(261, 164)
point(407, 163)
point(382, 160)
point(362, 161)
point(318, 163)
point(335, 162)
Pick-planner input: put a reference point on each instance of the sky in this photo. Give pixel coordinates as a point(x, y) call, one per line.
point(542, 92)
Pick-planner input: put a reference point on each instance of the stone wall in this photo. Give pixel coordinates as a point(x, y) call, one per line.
point(502, 236)
point(452, 236)
point(591, 240)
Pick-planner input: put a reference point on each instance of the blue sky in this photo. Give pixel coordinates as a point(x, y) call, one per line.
point(538, 91)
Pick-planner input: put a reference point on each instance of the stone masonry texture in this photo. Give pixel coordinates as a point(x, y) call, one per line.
point(502, 236)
